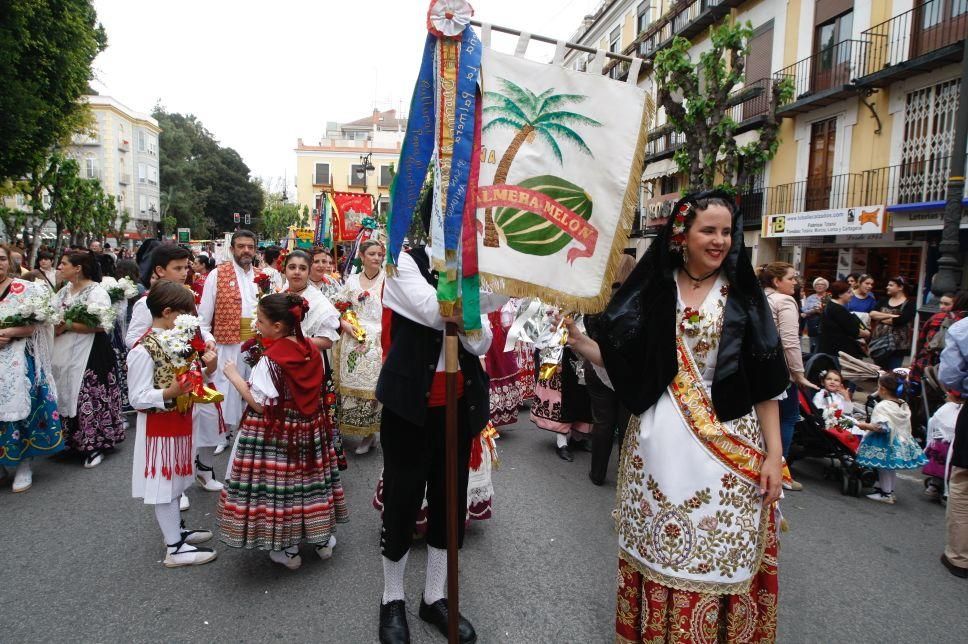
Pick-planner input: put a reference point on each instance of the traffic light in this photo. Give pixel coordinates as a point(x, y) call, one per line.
point(235, 217)
point(248, 219)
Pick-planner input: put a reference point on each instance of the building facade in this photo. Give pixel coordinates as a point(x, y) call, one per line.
point(858, 182)
point(336, 161)
point(122, 153)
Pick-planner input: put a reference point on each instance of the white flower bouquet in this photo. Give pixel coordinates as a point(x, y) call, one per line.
point(35, 308)
point(92, 315)
point(182, 343)
point(122, 289)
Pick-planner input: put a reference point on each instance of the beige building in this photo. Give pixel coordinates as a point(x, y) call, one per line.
point(122, 152)
point(336, 161)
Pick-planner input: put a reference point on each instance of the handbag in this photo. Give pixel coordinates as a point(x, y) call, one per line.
point(883, 346)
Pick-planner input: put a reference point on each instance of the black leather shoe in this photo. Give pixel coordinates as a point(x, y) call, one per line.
point(581, 444)
point(594, 479)
point(393, 623)
point(565, 454)
point(957, 571)
point(436, 614)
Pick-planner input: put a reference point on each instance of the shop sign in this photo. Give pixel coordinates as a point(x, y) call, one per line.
point(184, 235)
point(922, 220)
point(864, 220)
point(658, 211)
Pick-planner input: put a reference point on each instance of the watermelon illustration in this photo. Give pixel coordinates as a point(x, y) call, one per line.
point(532, 234)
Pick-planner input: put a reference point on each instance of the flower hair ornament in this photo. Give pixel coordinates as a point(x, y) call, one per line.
point(677, 241)
point(299, 309)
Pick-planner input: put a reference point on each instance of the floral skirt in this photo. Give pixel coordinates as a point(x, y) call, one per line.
point(504, 373)
point(647, 611)
point(877, 450)
point(524, 354)
point(39, 434)
point(99, 423)
point(121, 358)
point(274, 499)
point(561, 404)
point(359, 416)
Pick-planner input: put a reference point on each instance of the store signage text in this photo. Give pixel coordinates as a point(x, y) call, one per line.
point(864, 220)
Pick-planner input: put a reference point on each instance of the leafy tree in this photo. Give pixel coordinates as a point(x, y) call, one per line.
point(278, 215)
point(202, 182)
point(530, 116)
point(47, 48)
point(701, 110)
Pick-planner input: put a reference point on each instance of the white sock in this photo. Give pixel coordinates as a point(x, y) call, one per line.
point(169, 520)
point(434, 589)
point(562, 440)
point(885, 479)
point(206, 456)
point(393, 572)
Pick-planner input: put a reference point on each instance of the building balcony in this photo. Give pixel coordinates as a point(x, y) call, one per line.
point(688, 18)
point(919, 40)
point(663, 143)
point(825, 77)
point(124, 179)
point(919, 184)
point(124, 145)
point(813, 193)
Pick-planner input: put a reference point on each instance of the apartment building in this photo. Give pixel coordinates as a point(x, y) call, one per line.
point(869, 130)
point(336, 162)
point(122, 152)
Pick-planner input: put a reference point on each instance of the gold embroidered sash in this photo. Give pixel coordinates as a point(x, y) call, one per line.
point(689, 393)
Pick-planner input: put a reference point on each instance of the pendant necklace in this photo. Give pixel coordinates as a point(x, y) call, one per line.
point(697, 281)
point(371, 278)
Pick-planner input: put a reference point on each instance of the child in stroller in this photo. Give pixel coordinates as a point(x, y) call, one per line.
point(812, 438)
point(941, 431)
point(834, 403)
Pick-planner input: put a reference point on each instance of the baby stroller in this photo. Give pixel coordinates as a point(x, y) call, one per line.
point(940, 433)
point(812, 439)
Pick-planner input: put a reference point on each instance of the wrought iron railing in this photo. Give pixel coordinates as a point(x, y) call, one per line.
point(920, 180)
point(926, 28)
point(830, 68)
point(756, 97)
point(668, 142)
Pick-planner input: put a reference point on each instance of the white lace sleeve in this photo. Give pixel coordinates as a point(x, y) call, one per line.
point(260, 383)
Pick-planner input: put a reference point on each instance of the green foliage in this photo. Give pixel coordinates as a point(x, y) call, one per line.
point(46, 49)
point(696, 98)
point(203, 184)
point(278, 215)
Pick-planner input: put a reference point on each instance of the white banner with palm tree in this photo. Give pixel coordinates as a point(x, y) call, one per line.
point(561, 163)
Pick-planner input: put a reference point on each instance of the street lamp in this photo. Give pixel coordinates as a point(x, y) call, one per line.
point(364, 167)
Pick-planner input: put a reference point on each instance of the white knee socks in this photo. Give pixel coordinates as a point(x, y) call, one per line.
point(562, 440)
point(393, 572)
point(169, 520)
point(436, 574)
point(885, 479)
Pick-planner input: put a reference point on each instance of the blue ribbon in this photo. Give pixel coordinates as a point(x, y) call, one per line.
point(460, 168)
point(418, 146)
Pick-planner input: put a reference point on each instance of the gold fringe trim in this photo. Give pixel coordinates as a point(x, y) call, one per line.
point(596, 303)
point(358, 393)
point(352, 430)
point(391, 269)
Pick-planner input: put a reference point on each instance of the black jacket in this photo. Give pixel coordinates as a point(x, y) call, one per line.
point(411, 362)
point(839, 331)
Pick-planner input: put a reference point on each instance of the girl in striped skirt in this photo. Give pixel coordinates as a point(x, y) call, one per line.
point(281, 488)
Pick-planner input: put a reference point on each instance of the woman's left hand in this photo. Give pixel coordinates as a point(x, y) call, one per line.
point(771, 479)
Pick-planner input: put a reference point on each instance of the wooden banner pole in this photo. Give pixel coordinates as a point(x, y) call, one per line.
point(450, 445)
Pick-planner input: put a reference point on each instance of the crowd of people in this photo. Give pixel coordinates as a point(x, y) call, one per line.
point(696, 366)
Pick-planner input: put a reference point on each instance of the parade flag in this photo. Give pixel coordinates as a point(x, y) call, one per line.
point(352, 208)
point(443, 138)
point(562, 158)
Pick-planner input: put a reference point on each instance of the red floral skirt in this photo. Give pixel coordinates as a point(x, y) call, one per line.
point(647, 611)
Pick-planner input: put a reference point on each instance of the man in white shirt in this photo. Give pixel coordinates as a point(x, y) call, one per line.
point(227, 310)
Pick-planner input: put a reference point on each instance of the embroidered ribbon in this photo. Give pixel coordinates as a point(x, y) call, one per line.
point(544, 206)
point(689, 393)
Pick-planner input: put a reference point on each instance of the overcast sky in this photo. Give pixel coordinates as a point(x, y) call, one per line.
point(261, 74)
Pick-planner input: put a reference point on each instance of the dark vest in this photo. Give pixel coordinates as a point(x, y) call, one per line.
point(411, 362)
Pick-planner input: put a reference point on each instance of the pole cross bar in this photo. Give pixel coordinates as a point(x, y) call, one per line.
point(554, 41)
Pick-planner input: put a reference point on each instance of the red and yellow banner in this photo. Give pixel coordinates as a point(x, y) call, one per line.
point(351, 209)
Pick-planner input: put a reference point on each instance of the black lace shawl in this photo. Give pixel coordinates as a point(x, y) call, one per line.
point(637, 332)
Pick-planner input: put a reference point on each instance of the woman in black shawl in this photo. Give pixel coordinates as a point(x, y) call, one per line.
point(689, 345)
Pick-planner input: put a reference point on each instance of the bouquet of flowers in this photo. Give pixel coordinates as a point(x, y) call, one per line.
point(252, 350)
point(120, 290)
point(345, 307)
point(184, 345)
point(92, 315)
point(835, 418)
point(263, 284)
point(35, 308)
point(691, 321)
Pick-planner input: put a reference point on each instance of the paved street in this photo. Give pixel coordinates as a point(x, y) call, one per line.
point(82, 563)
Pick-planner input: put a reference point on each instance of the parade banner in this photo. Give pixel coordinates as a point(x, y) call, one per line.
point(561, 158)
point(351, 208)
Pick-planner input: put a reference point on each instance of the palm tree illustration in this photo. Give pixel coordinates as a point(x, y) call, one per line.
point(532, 116)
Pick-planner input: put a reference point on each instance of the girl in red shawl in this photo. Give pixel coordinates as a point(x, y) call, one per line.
point(283, 485)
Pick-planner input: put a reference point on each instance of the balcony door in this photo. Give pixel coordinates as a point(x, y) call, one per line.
point(831, 48)
point(823, 142)
point(937, 24)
